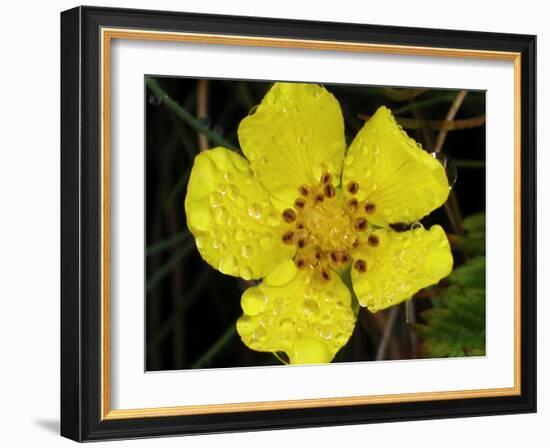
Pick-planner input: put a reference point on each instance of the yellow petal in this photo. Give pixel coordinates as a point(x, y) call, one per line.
point(401, 180)
point(400, 265)
point(237, 230)
point(294, 136)
point(308, 319)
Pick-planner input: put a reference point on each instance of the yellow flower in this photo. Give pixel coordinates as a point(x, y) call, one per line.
point(312, 220)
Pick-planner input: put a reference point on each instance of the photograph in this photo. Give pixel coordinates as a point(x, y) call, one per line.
point(291, 223)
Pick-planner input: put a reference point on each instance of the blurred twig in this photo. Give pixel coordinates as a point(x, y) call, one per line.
point(215, 348)
point(420, 104)
point(447, 125)
point(469, 164)
point(186, 116)
point(166, 244)
point(183, 306)
point(170, 264)
point(381, 352)
point(457, 102)
point(202, 110)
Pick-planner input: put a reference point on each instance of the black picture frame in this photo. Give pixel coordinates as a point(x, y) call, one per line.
point(81, 224)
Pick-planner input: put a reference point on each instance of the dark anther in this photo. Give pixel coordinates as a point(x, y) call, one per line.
point(352, 204)
point(300, 263)
point(360, 224)
point(304, 190)
point(353, 187)
point(319, 198)
point(373, 240)
point(370, 207)
point(329, 191)
point(289, 215)
point(301, 243)
point(287, 237)
point(325, 273)
point(360, 265)
point(326, 178)
point(299, 203)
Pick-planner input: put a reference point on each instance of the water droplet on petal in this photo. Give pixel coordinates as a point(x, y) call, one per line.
point(233, 192)
point(448, 164)
point(215, 199)
point(246, 273)
point(255, 211)
point(253, 301)
point(310, 308)
point(247, 250)
point(228, 265)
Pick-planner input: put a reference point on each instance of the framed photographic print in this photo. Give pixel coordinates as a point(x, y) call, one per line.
point(273, 224)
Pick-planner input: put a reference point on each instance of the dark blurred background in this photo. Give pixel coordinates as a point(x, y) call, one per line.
point(191, 308)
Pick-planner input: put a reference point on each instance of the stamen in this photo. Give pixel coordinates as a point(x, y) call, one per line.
point(370, 207)
point(353, 187)
point(287, 237)
point(329, 191)
point(352, 204)
point(326, 178)
point(360, 224)
point(304, 190)
point(356, 243)
point(373, 240)
point(360, 265)
point(334, 256)
point(344, 258)
point(289, 215)
point(301, 243)
point(299, 203)
point(319, 198)
point(300, 262)
point(299, 225)
point(325, 274)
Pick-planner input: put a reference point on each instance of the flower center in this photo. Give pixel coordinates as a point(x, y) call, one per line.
point(327, 228)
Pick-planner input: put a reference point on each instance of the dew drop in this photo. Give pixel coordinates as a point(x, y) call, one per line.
point(448, 164)
point(228, 176)
point(325, 333)
point(255, 211)
point(348, 160)
point(228, 264)
point(246, 273)
point(253, 301)
point(417, 225)
point(273, 219)
point(247, 325)
point(310, 308)
point(233, 192)
point(247, 250)
point(220, 214)
point(200, 241)
point(215, 199)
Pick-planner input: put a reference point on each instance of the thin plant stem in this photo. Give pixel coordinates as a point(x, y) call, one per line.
point(186, 116)
point(202, 110)
point(469, 164)
point(381, 352)
point(184, 305)
point(457, 102)
point(447, 125)
point(163, 245)
point(215, 348)
point(170, 264)
point(420, 104)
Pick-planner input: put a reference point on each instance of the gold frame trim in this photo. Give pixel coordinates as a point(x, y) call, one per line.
point(107, 35)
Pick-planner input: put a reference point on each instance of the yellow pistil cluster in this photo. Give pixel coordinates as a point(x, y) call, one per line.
point(327, 228)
